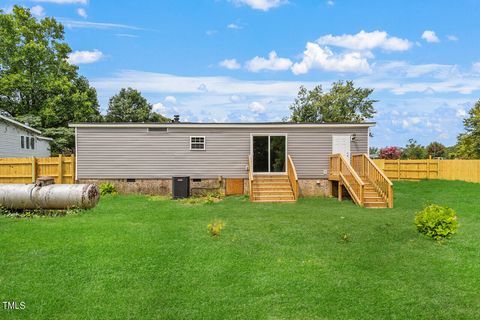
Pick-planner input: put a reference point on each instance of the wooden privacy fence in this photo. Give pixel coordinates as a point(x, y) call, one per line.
point(466, 170)
point(26, 170)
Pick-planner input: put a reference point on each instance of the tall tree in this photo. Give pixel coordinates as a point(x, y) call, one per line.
point(130, 106)
point(36, 79)
point(436, 150)
point(343, 103)
point(468, 146)
point(414, 150)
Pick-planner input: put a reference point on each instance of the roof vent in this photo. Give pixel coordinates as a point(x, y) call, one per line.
point(176, 118)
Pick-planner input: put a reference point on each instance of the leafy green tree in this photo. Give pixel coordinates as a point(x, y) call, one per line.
point(63, 140)
point(130, 106)
point(413, 150)
point(343, 103)
point(450, 152)
point(436, 150)
point(36, 80)
point(468, 146)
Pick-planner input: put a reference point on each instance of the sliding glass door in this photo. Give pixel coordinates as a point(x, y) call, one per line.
point(269, 153)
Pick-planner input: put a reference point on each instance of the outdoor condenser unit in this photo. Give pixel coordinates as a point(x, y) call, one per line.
point(180, 187)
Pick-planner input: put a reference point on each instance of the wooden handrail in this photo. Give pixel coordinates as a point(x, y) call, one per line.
point(368, 169)
point(348, 176)
point(292, 177)
point(378, 169)
point(356, 199)
point(250, 177)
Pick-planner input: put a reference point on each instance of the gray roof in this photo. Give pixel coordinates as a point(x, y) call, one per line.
point(19, 124)
point(24, 126)
point(217, 124)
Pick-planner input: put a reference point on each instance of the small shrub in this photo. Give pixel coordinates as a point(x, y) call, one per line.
point(208, 198)
point(437, 222)
point(215, 228)
point(107, 188)
point(345, 238)
point(4, 210)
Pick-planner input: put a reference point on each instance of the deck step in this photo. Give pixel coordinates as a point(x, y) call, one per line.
point(273, 193)
point(272, 188)
point(273, 198)
point(270, 200)
point(373, 199)
point(375, 204)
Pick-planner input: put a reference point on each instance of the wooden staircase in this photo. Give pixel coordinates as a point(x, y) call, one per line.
point(366, 184)
point(371, 197)
point(274, 188)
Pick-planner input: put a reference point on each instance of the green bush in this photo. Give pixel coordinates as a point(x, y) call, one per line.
point(215, 228)
point(107, 188)
point(436, 221)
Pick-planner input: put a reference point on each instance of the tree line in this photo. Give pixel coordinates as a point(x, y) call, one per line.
point(40, 87)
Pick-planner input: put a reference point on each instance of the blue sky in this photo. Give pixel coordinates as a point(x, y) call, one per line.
point(243, 60)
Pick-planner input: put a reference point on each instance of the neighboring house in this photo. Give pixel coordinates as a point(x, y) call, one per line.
point(18, 140)
point(143, 157)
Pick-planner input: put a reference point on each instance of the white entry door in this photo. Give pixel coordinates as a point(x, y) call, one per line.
point(341, 144)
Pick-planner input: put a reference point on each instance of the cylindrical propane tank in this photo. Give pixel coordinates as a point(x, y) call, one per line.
point(55, 196)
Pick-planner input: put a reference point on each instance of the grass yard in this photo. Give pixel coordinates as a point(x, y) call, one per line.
point(135, 257)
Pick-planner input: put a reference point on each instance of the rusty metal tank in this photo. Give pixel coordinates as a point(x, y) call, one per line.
point(55, 196)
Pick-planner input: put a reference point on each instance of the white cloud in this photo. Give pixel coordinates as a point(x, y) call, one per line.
point(402, 69)
point(211, 32)
point(38, 11)
point(230, 64)
point(430, 36)
point(166, 83)
point(82, 13)
point(126, 35)
point(85, 57)
point(409, 121)
point(234, 26)
point(229, 90)
point(366, 41)
point(256, 107)
point(63, 1)
point(316, 57)
point(476, 67)
point(452, 37)
point(273, 63)
point(95, 25)
point(159, 107)
point(461, 113)
point(263, 5)
point(235, 98)
point(330, 2)
point(171, 99)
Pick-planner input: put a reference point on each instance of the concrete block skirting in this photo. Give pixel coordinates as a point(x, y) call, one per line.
point(308, 187)
point(159, 186)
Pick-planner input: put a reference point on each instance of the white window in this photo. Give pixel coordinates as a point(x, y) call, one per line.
point(197, 143)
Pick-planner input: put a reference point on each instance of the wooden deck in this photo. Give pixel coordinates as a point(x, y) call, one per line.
point(366, 184)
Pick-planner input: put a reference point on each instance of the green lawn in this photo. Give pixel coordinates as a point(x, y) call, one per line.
point(134, 257)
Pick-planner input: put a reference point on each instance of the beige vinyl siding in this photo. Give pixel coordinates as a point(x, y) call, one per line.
point(119, 153)
point(10, 146)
